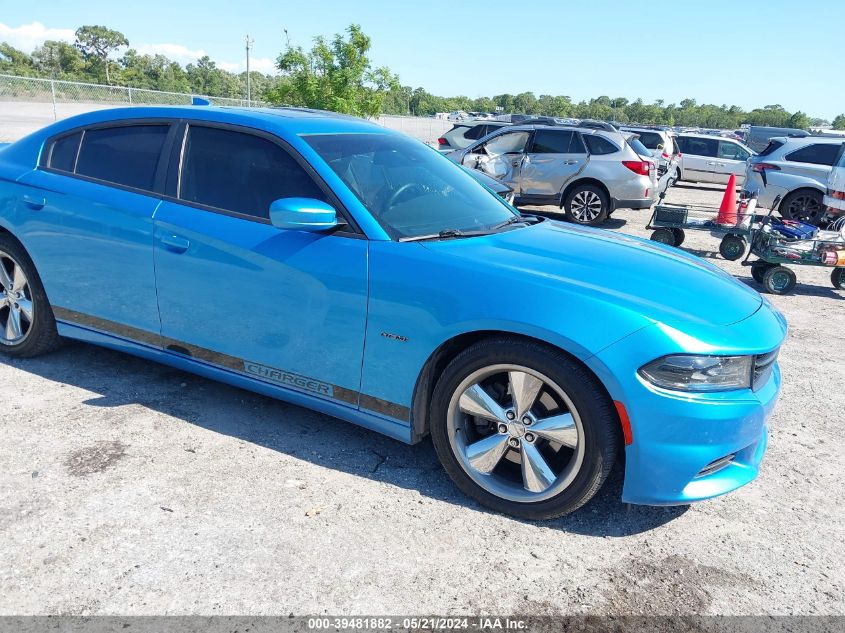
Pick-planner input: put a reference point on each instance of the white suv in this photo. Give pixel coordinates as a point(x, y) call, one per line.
point(796, 169)
point(834, 198)
point(706, 158)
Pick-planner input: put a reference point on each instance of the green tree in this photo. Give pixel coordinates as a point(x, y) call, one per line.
point(59, 60)
point(334, 75)
point(799, 120)
point(98, 42)
point(15, 62)
point(839, 122)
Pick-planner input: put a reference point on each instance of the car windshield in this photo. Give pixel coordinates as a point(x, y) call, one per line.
point(411, 189)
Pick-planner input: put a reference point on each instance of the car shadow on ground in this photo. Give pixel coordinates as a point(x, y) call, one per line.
point(119, 380)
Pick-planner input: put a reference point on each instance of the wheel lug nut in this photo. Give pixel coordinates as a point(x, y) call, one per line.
point(503, 428)
point(526, 421)
point(513, 442)
point(529, 437)
point(510, 415)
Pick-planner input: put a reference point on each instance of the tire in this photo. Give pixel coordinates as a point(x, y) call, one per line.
point(779, 280)
point(732, 247)
point(680, 236)
point(837, 278)
point(571, 404)
point(664, 236)
point(674, 179)
point(27, 324)
point(806, 205)
point(586, 204)
point(758, 270)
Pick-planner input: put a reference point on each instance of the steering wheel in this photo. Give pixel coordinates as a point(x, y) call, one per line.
point(394, 197)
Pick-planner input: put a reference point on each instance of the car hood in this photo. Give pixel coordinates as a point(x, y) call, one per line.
point(660, 283)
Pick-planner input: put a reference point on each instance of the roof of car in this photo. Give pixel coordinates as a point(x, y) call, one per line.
point(809, 140)
point(291, 120)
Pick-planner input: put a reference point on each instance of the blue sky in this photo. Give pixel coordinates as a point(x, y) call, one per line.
point(746, 52)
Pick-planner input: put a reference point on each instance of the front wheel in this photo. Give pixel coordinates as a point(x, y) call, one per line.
point(27, 325)
point(779, 280)
point(586, 204)
point(523, 429)
point(732, 247)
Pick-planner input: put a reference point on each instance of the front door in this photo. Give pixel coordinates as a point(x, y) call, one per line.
point(554, 158)
point(731, 159)
point(286, 307)
point(500, 157)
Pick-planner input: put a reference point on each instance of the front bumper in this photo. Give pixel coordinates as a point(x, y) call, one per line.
point(675, 435)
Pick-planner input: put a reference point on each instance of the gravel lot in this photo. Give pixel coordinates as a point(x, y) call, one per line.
point(131, 488)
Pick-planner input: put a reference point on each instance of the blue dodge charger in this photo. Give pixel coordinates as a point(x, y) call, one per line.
point(334, 264)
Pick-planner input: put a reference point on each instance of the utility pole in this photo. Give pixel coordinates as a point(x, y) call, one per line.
point(249, 43)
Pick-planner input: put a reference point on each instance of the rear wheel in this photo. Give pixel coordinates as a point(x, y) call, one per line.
point(680, 236)
point(804, 205)
point(27, 325)
point(837, 278)
point(586, 204)
point(664, 236)
point(779, 280)
point(523, 429)
point(732, 247)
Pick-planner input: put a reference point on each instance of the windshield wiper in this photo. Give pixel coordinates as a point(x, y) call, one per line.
point(517, 219)
point(445, 234)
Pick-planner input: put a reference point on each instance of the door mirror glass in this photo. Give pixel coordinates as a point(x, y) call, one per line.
point(302, 214)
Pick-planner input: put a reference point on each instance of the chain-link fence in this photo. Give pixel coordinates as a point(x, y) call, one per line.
point(28, 103)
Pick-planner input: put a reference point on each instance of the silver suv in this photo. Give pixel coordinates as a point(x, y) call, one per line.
point(588, 172)
point(661, 144)
point(796, 169)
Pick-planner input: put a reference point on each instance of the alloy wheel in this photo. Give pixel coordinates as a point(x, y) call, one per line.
point(16, 306)
point(805, 207)
point(586, 206)
point(516, 433)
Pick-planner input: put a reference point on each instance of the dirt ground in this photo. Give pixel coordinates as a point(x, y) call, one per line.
point(131, 488)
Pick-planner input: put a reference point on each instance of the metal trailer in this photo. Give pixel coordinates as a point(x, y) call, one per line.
point(773, 250)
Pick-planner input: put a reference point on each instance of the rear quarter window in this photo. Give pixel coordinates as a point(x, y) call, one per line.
point(63, 152)
point(771, 147)
point(598, 145)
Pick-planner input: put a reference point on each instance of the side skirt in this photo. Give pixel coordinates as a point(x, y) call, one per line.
point(374, 422)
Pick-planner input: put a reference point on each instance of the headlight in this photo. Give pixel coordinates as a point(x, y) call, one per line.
point(683, 372)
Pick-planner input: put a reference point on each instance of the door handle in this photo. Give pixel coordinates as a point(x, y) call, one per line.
point(174, 243)
point(34, 202)
point(711, 162)
point(570, 162)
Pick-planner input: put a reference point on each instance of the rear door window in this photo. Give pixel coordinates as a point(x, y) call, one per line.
point(699, 146)
point(477, 132)
point(816, 154)
point(126, 155)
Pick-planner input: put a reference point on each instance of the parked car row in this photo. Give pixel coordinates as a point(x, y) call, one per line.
point(588, 172)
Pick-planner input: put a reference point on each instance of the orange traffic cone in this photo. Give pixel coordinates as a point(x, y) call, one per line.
point(727, 210)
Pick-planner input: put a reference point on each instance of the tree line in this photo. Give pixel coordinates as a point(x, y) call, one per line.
point(337, 74)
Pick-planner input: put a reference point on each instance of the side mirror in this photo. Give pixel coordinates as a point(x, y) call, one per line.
point(302, 214)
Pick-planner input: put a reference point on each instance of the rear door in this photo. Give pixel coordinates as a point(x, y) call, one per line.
point(89, 224)
point(500, 157)
point(731, 159)
point(698, 158)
